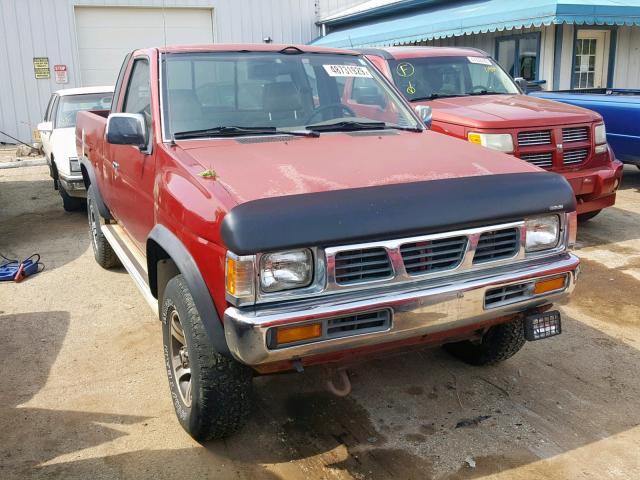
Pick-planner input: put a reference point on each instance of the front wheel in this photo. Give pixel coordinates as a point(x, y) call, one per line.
point(499, 343)
point(583, 217)
point(69, 203)
point(211, 393)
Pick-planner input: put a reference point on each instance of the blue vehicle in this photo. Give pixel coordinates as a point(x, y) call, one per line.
point(620, 110)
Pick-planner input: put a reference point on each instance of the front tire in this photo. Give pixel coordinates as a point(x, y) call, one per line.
point(211, 393)
point(583, 217)
point(70, 204)
point(102, 251)
point(498, 344)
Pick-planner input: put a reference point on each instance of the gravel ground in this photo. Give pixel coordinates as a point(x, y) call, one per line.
point(83, 392)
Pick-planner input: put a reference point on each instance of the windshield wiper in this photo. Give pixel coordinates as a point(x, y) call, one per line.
point(433, 96)
point(225, 131)
point(347, 126)
point(233, 131)
point(483, 92)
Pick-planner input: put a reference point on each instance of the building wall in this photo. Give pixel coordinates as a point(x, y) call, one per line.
point(627, 66)
point(330, 7)
point(46, 28)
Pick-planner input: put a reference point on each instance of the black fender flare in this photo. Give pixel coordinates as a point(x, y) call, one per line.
point(89, 177)
point(197, 286)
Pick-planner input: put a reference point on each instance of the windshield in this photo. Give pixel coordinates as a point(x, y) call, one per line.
point(433, 77)
point(271, 92)
point(70, 105)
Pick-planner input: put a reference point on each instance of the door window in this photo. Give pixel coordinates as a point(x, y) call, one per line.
point(138, 95)
point(518, 55)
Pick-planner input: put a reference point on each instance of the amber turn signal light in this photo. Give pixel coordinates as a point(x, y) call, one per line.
point(298, 333)
point(550, 285)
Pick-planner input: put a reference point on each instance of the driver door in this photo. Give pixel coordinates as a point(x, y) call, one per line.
point(133, 167)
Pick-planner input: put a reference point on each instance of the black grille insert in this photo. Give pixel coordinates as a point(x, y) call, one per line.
point(507, 294)
point(433, 255)
point(496, 245)
point(358, 324)
point(355, 266)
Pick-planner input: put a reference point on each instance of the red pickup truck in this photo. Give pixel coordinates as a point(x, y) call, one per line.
point(274, 227)
point(472, 98)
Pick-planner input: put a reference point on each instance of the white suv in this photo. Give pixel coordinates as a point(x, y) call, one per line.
point(58, 136)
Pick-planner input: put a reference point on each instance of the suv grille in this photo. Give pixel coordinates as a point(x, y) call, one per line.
point(579, 134)
point(496, 245)
point(527, 139)
point(353, 266)
point(507, 294)
point(573, 157)
point(544, 160)
point(433, 255)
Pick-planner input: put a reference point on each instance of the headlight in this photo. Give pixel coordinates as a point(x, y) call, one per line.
point(286, 270)
point(502, 142)
point(600, 134)
point(74, 164)
point(543, 233)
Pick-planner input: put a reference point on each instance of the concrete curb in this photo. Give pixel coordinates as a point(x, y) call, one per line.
point(24, 163)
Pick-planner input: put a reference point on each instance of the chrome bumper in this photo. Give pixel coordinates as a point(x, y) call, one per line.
point(73, 185)
point(417, 309)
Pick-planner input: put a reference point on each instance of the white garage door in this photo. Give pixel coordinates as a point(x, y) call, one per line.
point(106, 34)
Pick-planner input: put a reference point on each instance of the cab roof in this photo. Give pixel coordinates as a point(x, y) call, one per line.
point(84, 90)
point(399, 53)
point(253, 47)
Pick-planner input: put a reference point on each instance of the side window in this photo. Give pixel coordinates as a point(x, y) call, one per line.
point(53, 113)
point(117, 90)
point(47, 113)
point(138, 96)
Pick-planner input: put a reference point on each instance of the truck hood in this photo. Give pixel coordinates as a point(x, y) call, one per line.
point(507, 111)
point(251, 168)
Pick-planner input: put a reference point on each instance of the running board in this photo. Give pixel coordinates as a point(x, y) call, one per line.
point(131, 259)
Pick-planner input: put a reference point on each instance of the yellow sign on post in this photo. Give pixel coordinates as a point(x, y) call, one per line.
point(41, 67)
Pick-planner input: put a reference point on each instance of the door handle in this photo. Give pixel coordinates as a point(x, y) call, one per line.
point(115, 165)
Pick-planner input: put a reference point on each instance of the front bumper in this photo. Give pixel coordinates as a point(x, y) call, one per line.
point(418, 309)
point(595, 188)
point(73, 185)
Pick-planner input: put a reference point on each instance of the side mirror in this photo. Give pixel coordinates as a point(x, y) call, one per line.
point(369, 96)
point(522, 84)
point(45, 127)
point(426, 114)
point(127, 129)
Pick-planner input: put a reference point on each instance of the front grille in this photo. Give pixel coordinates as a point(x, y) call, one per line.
point(358, 324)
point(528, 139)
point(579, 134)
point(354, 266)
point(433, 255)
point(573, 157)
point(496, 245)
point(544, 160)
point(507, 294)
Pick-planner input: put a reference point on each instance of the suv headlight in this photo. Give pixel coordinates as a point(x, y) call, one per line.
point(543, 233)
point(286, 270)
point(502, 142)
point(600, 134)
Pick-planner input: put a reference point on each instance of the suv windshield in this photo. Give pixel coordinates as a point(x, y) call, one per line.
point(432, 77)
point(70, 105)
point(216, 94)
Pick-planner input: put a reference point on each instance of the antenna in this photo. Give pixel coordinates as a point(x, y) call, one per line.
point(164, 22)
point(165, 67)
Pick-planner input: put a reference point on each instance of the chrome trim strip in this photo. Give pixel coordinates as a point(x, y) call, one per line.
point(421, 310)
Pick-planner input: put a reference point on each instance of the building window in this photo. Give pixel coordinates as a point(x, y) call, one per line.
point(519, 55)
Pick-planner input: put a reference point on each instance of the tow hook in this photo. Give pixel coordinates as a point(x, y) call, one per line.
point(341, 375)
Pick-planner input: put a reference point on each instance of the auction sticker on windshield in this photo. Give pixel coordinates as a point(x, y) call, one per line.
point(347, 71)
point(480, 60)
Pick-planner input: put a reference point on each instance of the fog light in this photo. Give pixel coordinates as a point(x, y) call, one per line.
point(601, 148)
point(550, 285)
point(542, 325)
point(298, 333)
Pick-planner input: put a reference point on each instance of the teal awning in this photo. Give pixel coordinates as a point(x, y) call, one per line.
point(464, 18)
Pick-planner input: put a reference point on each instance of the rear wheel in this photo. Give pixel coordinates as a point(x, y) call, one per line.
point(583, 217)
point(102, 251)
point(211, 393)
point(499, 343)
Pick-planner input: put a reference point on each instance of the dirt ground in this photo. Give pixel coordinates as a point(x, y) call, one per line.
point(83, 392)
